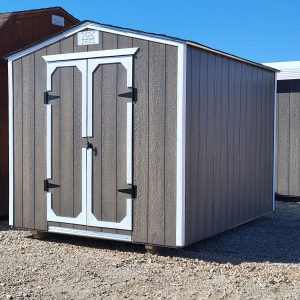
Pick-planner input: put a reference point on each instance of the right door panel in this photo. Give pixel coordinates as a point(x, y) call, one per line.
point(110, 99)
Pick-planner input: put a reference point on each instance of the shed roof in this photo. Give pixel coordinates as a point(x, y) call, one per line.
point(288, 69)
point(8, 16)
point(129, 32)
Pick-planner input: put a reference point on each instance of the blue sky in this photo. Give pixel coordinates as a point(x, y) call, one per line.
point(260, 30)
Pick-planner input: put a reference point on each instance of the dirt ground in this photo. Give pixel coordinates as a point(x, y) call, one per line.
point(259, 260)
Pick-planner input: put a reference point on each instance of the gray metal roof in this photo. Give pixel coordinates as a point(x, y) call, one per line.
point(148, 34)
point(189, 42)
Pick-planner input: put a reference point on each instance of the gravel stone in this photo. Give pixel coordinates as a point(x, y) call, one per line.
point(259, 260)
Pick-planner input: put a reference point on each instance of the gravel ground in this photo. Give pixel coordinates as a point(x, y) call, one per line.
point(259, 260)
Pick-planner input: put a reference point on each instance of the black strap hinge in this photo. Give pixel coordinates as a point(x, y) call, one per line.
point(48, 97)
point(130, 191)
point(48, 185)
point(131, 95)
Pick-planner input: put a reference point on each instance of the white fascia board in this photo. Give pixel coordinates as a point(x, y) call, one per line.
point(94, 26)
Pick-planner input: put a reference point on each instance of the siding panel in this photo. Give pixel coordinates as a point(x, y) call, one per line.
point(141, 142)
point(294, 155)
point(170, 145)
point(235, 143)
point(288, 138)
point(28, 141)
point(157, 98)
point(18, 144)
point(40, 142)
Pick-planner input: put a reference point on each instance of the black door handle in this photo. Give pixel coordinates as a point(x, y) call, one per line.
point(91, 146)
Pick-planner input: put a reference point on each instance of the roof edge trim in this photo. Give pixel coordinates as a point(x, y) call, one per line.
point(95, 26)
point(219, 52)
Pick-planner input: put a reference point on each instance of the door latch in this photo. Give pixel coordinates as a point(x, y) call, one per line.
point(48, 185)
point(91, 146)
point(130, 191)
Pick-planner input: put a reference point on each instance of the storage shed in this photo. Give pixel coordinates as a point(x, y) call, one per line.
point(288, 129)
point(17, 30)
point(132, 136)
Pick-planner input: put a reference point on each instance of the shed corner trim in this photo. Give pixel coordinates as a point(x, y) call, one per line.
point(11, 144)
point(274, 143)
point(181, 138)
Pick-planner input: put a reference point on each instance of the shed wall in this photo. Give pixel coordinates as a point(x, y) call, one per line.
point(229, 143)
point(288, 138)
point(155, 80)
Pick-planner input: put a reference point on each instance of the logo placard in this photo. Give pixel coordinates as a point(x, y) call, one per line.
point(90, 37)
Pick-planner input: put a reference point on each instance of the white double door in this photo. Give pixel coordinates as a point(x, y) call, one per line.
point(89, 138)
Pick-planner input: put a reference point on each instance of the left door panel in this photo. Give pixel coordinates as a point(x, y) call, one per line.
point(66, 149)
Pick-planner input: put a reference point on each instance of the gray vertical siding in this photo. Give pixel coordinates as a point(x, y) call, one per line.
point(155, 112)
point(288, 138)
point(229, 143)
point(154, 162)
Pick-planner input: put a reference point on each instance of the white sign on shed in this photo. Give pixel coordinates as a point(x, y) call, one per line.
point(90, 37)
point(58, 20)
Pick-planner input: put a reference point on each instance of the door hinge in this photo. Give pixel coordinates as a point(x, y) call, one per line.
point(130, 191)
point(131, 95)
point(48, 97)
point(48, 185)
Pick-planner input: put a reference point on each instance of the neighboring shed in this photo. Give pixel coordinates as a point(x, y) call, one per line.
point(17, 30)
point(288, 128)
point(133, 136)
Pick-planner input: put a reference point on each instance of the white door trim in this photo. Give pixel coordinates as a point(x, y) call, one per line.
point(129, 144)
point(127, 62)
point(51, 216)
point(87, 65)
point(92, 234)
point(91, 54)
point(81, 65)
point(125, 224)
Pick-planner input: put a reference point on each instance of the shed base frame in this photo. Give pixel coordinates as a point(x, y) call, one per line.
point(92, 234)
point(151, 249)
point(36, 234)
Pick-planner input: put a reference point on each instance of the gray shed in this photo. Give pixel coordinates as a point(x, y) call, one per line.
point(288, 129)
point(126, 135)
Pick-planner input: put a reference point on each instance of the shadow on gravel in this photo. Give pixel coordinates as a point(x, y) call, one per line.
point(95, 243)
point(274, 238)
point(4, 224)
